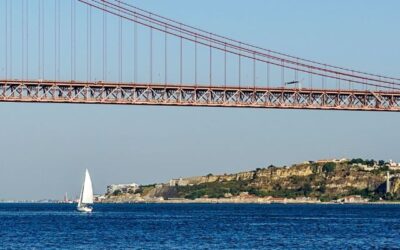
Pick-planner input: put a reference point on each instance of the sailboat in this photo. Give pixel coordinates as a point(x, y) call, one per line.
point(86, 197)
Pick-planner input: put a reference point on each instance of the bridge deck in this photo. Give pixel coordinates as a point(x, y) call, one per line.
point(38, 91)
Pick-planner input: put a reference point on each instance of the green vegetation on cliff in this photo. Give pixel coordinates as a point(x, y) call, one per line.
point(213, 189)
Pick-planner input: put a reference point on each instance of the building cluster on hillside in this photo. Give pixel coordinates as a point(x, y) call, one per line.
point(391, 165)
point(122, 188)
point(366, 165)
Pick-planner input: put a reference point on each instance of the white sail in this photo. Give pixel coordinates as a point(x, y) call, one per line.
point(87, 190)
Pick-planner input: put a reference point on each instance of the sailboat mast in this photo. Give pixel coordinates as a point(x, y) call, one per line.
point(81, 194)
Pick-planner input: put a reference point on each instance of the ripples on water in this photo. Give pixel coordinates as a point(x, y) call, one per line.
point(204, 226)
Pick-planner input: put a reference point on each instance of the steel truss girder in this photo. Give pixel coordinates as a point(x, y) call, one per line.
point(186, 95)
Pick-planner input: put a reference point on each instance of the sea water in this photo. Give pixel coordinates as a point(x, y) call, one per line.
point(199, 226)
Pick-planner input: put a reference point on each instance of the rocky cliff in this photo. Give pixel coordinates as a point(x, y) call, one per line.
point(325, 180)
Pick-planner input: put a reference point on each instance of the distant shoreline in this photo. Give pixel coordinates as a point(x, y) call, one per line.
point(209, 201)
point(214, 202)
point(244, 201)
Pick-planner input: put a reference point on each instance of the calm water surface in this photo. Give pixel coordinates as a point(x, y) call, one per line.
point(200, 226)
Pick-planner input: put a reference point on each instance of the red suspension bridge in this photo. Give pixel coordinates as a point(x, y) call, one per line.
point(111, 52)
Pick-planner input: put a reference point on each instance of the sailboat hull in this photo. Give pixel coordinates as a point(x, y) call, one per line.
point(85, 209)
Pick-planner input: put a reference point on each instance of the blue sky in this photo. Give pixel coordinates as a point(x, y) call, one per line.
point(45, 148)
